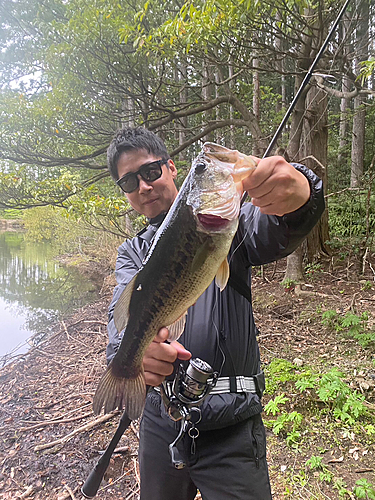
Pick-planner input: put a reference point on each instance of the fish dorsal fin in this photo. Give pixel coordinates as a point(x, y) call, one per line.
point(176, 328)
point(121, 310)
point(222, 275)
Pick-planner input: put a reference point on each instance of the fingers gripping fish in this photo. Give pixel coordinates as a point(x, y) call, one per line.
point(188, 251)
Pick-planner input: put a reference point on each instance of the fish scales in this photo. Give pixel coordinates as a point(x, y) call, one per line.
point(188, 250)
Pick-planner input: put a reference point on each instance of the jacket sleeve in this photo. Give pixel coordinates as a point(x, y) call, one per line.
point(268, 238)
point(127, 264)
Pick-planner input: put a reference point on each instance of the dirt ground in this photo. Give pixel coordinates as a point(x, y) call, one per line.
point(50, 439)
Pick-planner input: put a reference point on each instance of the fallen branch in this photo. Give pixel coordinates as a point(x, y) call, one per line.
point(132, 426)
point(28, 492)
point(84, 428)
point(53, 422)
point(69, 396)
point(70, 492)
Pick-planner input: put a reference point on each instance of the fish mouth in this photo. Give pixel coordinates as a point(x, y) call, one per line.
point(212, 222)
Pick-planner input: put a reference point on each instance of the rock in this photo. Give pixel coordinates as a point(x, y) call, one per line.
point(298, 362)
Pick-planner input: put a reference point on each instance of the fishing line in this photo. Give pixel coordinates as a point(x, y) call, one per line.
point(243, 238)
point(217, 331)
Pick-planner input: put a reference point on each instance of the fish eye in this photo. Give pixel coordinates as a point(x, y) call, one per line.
point(200, 167)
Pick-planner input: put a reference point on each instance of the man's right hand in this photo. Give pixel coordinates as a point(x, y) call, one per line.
point(160, 356)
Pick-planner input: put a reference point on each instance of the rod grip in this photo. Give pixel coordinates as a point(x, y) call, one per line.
point(92, 483)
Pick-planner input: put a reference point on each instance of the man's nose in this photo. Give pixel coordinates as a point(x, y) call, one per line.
point(144, 187)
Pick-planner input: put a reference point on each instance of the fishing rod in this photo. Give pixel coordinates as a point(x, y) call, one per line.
point(302, 86)
point(92, 483)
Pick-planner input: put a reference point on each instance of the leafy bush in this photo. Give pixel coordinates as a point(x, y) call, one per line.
point(364, 489)
point(340, 401)
point(68, 235)
point(351, 325)
point(346, 404)
point(348, 214)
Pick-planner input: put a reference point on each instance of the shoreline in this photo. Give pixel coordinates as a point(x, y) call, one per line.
point(51, 439)
point(11, 225)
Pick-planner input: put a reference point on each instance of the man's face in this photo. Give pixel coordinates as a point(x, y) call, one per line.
point(150, 198)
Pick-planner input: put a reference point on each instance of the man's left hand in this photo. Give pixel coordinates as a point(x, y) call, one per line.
point(276, 187)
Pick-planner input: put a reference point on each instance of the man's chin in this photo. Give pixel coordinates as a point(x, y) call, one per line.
point(152, 210)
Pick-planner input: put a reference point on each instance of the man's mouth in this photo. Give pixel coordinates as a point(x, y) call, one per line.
point(149, 202)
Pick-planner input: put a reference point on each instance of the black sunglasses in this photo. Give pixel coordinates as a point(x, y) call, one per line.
point(149, 172)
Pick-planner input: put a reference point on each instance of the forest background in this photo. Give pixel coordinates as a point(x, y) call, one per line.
point(72, 73)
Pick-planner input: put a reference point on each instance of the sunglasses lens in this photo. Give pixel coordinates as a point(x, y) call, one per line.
point(151, 172)
point(129, 183)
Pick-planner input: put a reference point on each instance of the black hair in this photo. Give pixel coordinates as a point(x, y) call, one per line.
point(128, 139)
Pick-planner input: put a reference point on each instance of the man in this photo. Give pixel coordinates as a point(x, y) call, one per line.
point(226, 454)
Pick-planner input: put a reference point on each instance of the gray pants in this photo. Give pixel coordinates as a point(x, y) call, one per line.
point(225, 464)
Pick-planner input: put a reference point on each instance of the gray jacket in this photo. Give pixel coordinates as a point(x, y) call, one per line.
point(220, 327)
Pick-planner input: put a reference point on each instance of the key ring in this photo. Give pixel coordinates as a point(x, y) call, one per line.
point(195, 434)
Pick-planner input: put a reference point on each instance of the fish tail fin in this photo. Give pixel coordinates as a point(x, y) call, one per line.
point(116, 392)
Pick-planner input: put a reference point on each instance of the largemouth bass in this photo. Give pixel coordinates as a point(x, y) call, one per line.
point(188, 251)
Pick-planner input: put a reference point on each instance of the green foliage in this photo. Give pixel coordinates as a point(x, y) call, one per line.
point(11, 214)
point(279, 372)
point(105, 210)
point(341, 487)
point(367, 285)
point(340, 402)
point(352, 215)
point(344, 403)
point(370, 429)
point(364, 489)
point(273, 405)
point(329, 318)
point(51, 224)
point(367, 69)
point(288, 422)
point(313, 270)
point(315, 463)
point(351, 325)
point(288, 284)
point(42, 223)
point(70, 237)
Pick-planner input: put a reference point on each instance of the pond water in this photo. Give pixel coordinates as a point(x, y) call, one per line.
point(34, 291)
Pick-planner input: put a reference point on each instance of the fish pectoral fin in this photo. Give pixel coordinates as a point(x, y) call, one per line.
point(176, 328)
point(121, 310)
point(116, 392)
point(222, 275)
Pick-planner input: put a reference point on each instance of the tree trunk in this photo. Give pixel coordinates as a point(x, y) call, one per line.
point(315, 145)
point(311, 143)
point(358, 134)
point(294, 270)
point(183, 122)
point(207, 93)
point(231, 113)
point(342, 158)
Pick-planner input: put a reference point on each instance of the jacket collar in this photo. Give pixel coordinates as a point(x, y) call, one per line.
point(156, 221)
point(148, 232)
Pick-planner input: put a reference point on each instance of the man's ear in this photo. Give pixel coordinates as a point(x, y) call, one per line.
point(172, 168)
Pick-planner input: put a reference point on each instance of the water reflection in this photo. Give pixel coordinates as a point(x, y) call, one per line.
point(34, 289)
